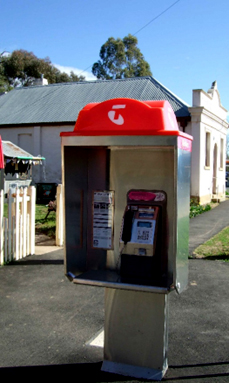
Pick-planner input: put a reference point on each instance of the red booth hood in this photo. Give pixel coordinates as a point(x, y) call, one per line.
point(127, 117)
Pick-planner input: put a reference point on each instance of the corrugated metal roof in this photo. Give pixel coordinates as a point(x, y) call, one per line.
point(13, 151)
point(59, 103)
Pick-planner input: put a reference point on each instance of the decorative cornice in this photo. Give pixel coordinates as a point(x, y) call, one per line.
point(202, 112)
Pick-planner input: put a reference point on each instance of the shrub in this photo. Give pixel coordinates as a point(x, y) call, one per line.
point(196, 209)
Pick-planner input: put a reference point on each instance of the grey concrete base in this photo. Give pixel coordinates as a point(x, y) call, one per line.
point(136, 333)
point(133, 371)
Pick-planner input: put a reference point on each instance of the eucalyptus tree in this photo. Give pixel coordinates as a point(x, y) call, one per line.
point(121, 58)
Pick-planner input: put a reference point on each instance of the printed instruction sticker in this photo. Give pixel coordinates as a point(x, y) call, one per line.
point(103, 212)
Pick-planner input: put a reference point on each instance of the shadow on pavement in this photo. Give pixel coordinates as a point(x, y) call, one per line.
point(91, 372)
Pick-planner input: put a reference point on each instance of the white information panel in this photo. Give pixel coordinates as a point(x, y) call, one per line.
point(103, 211)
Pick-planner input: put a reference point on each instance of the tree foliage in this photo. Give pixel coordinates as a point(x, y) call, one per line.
point(21, 68)
point(121, 58)
point(4, 84)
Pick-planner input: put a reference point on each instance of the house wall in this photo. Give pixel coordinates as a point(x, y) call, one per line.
point(40, 140)
point(209, 129)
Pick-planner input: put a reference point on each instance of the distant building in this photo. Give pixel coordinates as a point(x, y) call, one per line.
point(33, 118)
point(209, 130)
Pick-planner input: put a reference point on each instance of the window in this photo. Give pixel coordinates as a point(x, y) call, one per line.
point(221, 152)
point(207, 149)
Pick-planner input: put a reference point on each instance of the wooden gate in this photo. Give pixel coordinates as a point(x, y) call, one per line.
point(17, 230)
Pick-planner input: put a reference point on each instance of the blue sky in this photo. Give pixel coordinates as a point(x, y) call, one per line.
point(184, 41)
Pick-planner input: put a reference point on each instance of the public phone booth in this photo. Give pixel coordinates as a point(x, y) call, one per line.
point(126, 178)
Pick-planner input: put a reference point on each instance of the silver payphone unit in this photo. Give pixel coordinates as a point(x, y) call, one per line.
point(143, 254)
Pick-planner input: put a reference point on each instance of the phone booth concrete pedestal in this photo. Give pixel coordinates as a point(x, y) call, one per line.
point(126, 178)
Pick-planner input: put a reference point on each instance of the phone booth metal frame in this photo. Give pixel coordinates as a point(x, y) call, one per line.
point(117, 146)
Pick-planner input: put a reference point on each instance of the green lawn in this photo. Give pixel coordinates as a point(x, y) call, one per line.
point(218, 246)
point(215, 248)
point(46, 226)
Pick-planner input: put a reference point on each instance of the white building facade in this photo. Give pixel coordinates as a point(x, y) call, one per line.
point(208, 127)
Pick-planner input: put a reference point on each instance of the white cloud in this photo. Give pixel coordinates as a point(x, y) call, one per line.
point(68, 69)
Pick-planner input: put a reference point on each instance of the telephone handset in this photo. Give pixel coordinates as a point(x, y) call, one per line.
point(127, 226)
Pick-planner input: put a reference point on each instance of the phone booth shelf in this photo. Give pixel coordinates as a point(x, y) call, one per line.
point(126, 178)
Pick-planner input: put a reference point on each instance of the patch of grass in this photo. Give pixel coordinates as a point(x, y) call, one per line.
point(215, 248)
point(45, 226)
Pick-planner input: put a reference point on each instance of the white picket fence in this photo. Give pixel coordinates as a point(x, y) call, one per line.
point(59, 216)
point(17, 232)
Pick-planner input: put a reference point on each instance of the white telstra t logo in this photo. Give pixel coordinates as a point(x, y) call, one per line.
point(111, 114)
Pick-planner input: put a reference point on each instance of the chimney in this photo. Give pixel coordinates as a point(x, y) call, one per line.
point(40, 81)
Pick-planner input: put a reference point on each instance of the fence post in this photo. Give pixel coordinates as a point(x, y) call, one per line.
point(10, 231)
point(24, 219)
point(13, 235)
point(17, 225)
point(27, 235)
point(6, 254)
point(32, 193)
point(59, 216)
point(1, 227)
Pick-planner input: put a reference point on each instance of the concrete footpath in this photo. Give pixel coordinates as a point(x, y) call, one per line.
point(47, 324)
